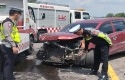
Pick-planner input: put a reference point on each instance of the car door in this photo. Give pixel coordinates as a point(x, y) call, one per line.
point(119, 33)
point(108, 29)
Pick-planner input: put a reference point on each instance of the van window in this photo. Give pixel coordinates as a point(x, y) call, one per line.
point(86, 15)
point(77, 15)
point(31, 13)
point(35, 10)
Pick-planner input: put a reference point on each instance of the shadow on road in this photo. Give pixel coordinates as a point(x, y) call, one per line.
point(116, 56)
point(50, 71)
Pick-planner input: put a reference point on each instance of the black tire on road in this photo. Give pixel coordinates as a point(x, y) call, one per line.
point(31, 43)
point(89, 59)
point(40, 56)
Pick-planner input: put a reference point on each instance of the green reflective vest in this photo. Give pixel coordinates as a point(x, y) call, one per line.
point(14, 34)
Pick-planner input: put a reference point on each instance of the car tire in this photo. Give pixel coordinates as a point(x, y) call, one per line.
point(39, 34)
point(39, 58)
point(89, 59)
point(41, 54)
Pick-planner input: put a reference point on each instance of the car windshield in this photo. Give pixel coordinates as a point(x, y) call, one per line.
point(82, 25)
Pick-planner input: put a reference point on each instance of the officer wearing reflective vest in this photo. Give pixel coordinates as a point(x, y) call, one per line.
point(102, 43)
point(10, 38)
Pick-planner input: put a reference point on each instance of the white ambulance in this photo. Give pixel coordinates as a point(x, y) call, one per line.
point(24, 24)
point(52, 17)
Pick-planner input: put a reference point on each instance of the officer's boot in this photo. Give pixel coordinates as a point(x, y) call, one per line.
point(93, 72)
point(1, 76)
point(104, 77)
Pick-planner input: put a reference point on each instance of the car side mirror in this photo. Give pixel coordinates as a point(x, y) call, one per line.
point(43, 16)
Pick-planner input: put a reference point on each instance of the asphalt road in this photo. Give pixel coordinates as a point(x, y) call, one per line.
point(26, 70)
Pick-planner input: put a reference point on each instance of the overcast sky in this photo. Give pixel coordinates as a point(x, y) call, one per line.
point(97, 8)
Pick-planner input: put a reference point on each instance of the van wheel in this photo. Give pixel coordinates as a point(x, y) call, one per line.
point(39, 34)
point(31, 43)
point(89, 59)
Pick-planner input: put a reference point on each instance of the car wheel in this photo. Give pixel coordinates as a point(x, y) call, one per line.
point(89, 59)
point(39, 34)
point(40, 56)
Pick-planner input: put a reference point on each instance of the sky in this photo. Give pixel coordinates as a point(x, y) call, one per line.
point(97, 8)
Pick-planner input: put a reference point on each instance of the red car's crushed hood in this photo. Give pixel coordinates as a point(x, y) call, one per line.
point(57, 36)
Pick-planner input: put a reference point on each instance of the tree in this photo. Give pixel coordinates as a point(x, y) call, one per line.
point(120, 15)
point(32, 1)
point(116, 15)
point(110, 15)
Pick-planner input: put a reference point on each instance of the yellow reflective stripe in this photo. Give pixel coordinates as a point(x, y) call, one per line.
point(100, 34)
point(2, 36)
point(15, 35)
point(88, 38)
point(104, 36)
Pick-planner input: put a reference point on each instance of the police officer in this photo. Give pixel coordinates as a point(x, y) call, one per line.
point(10, 37)
point(101, 51)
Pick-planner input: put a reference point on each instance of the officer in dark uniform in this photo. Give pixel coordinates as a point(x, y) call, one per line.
point(101, 51)
point(9, 48)
point(1, 63)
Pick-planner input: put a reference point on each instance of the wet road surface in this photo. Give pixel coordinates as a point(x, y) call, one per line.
point(26, 70)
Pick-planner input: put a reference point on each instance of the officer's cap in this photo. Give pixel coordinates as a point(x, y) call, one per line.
point(75, 29)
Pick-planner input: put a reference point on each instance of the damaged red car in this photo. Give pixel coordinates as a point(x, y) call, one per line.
point(64, 47)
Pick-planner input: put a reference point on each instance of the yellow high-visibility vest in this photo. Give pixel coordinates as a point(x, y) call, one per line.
point(99, 34)
point(105, 37)
point(88, 38)
point(14, 34)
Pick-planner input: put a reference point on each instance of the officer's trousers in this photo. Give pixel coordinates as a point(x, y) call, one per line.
point(1, 64)
point(7, 66)
point(101, 55)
